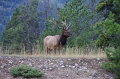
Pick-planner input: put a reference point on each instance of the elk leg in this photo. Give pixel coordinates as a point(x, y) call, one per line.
point(48, 50)
point(60, 48)
point(55, 50)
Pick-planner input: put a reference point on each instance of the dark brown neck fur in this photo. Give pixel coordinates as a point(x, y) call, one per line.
point(63, 40)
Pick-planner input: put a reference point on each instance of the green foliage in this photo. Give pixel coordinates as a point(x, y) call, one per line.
point(23, 28)
point(116, 4)
point(108, 66)
point(114, 65)
point(117, 10)
point(82, 39)
point(13, 33)
point(50, 29)
point(105, 6)
point(25, 72)
point(113, 55)
point(108, 31)
point(78, 16)
point(100, 5)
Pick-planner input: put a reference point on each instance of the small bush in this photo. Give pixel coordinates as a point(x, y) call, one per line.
point(114, 65)
point(25, 71)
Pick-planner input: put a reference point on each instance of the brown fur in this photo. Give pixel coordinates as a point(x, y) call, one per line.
point(51, 42)
point(57, 41)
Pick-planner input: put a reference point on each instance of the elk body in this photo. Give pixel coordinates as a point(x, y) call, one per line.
point(57, 41)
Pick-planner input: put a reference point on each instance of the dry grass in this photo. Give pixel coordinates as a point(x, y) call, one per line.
point(73, 52)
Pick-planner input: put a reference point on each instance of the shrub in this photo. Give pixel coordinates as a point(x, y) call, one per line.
point(25, 71)
point(114, 65)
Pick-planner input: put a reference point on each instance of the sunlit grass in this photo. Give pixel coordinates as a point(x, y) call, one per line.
point(73, 52)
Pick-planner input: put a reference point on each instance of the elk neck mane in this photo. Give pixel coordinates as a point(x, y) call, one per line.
point(63, 39)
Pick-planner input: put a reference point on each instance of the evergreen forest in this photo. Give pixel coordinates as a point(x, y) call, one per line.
point(93, 23)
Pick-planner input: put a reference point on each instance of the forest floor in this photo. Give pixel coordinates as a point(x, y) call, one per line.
point(57, 68)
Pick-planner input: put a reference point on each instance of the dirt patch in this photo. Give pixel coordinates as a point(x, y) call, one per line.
point(57, 68)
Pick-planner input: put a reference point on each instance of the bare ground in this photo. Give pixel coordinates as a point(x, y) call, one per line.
point(57, 68)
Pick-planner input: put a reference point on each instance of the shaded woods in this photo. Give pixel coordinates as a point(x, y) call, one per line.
point(93, 24)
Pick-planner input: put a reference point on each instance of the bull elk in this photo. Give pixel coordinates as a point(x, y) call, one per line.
point(57, 41)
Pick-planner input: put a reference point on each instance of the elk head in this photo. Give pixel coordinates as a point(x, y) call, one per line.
point(66, 30)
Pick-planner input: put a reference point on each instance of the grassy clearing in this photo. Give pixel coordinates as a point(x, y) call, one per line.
point(73, 52)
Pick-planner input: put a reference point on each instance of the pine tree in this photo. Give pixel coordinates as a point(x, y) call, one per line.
point(30, 19)
point(105, 6)
point(78, 16)
point(111, 11)
point(13, 32)
point(109, 32)
point(23, 28)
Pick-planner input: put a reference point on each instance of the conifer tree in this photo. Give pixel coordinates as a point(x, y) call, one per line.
point(23, 29)
point(111, 23)
point(78, 16)
point(13, 32)
point(108, 31)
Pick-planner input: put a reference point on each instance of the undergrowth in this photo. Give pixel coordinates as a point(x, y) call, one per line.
point(113, 56)
point(86, 52)
point(25, 71)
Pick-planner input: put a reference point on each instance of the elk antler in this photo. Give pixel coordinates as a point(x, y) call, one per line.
point(54, 22)
point(64, 23)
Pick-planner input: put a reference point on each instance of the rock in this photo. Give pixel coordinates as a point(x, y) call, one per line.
point(67, 75)
point(55, 66)
point(1, 57)
point(4, 65)
point(80, 69)
point(50, 68)
point(62, 66)
point(30, 64)
point(93, 75)
point(10, 61)
point(61, 62)
point(9, 57)
point(73, 66)
point(84, 68)
point(66, 65)
point(70, 66)
point(98, 59)
point(88, 71)
point(21, 62)
point(76, 64)
point(69, 59)
point(51, 63)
